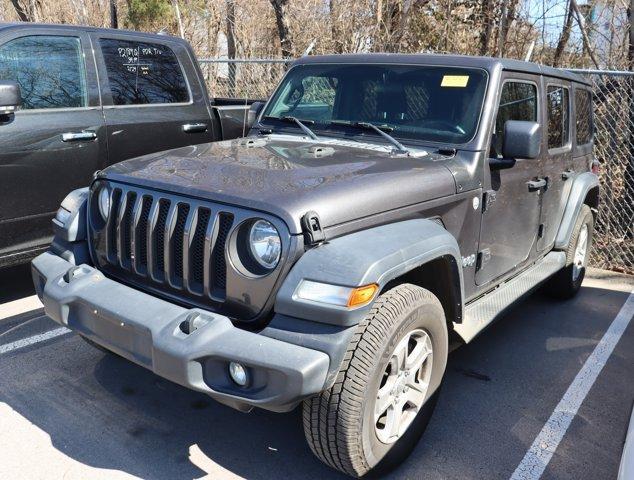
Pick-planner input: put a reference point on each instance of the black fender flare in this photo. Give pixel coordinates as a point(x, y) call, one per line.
point(582, 184)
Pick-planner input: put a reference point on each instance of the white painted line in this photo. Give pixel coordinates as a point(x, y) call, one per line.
point(18, 307)
point(25, 342)
point(538, 456)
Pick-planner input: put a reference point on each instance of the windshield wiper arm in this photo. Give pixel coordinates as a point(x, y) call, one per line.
point(380, 130)
point(300, 123)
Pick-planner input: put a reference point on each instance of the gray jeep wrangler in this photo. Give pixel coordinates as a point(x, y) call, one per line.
point(381, 207)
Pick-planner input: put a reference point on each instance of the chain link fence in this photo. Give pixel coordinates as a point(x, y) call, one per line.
point(614, 148)
point(614, 143)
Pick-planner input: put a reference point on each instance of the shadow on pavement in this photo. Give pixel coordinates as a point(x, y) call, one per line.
point(106, 412)
point(15, 283)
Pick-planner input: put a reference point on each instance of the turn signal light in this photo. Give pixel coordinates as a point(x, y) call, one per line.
point(362, 295)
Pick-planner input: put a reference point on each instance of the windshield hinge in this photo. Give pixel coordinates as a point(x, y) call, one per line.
point(311, 227)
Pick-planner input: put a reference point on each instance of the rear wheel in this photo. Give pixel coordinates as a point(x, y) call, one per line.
point(386, 388)
point(567, 282)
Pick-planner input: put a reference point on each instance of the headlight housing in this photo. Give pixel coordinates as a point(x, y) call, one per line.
point(103, 202)
point(265, 244)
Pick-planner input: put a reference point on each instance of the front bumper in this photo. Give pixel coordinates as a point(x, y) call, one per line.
point(191, 347)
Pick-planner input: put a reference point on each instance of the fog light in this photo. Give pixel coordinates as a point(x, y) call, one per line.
point(238, 373)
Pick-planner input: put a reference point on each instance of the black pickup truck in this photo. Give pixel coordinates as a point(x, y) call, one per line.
point(74, 100)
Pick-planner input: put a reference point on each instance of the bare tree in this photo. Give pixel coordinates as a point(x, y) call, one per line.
point(488, 7)
point(282, 21)
point(231, 43)
point(564, 37)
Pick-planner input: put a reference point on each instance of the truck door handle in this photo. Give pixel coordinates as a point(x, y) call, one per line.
point(194, 127)
point(78, 136)
point(539, 184)
point(567, 174)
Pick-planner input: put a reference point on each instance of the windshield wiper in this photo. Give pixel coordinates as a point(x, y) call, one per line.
point(380, 130)
point(300, 123)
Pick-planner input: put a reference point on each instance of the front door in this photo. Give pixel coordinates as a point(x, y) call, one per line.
point(511, 217)
point(153, 99)
point(54, 143)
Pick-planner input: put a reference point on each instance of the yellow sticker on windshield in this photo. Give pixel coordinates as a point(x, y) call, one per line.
point(459, 81)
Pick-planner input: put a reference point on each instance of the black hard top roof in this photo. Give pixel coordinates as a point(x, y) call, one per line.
point(486, 63)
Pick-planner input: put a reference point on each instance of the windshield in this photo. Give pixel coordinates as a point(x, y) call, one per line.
point(415, 102)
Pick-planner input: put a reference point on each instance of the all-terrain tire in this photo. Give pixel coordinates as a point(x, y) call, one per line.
point(565, 284)
point(339, 423)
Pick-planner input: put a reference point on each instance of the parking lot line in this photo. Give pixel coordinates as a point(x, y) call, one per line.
point(25, 342)
point(541, 451)
point(20, 306)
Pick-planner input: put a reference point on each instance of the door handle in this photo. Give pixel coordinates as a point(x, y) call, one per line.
point(539, 184)
point(78, 136)
point(567, 174)
point(194, 127)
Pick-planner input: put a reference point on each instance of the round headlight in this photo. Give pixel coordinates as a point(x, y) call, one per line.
point(103, 201)
point(265, 244)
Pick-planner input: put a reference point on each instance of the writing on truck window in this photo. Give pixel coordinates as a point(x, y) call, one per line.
point(143, 73)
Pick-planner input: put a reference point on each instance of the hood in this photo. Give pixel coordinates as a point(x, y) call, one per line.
point(288, 176)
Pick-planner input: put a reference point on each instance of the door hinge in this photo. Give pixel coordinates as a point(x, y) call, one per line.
point(311, 227)
point(489, 196)
point(483, 258)
point(540, 230)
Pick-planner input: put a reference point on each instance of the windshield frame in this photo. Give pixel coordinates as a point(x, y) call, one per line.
point(339, 131)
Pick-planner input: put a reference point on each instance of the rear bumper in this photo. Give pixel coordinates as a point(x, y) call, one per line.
point(152, 333)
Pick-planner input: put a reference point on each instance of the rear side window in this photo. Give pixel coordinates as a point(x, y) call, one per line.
point(583, 120)
point(558, 116)
point(49, 70)
point(518, 101)
point(143, 73)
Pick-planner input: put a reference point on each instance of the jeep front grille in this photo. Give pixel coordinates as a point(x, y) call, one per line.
point(175, 242)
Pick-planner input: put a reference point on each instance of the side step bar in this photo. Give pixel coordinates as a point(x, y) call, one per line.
point(483, 311)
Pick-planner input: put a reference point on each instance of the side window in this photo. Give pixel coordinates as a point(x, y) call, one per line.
point(49, 69)
point(143, 73)
point(583, 120)
point(314, 95)
point(518, 101)
point(558, 105)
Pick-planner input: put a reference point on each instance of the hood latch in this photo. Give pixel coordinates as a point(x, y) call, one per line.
point(311, 227)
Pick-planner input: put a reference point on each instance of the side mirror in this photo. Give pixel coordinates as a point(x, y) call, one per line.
point(254, 112)
point(521, 139)
point(10, 97)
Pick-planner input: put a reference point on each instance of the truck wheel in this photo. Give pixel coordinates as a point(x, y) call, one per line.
point(567, 282)
point(387, 386)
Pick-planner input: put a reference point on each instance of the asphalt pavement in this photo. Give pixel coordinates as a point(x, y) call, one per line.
point(70, 411)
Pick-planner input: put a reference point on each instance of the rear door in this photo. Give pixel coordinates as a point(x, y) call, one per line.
point(558, 168)
point(153, 98)
point(56, 140)
point(511, 210)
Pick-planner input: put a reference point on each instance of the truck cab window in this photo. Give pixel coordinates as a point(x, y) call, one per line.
point(143, 73)
point(583, 117)
point(49, 70)
point(518, 101)
point(558, 116)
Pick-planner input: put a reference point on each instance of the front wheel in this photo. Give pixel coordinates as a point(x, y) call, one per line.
point(386, 388)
